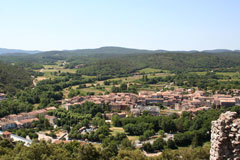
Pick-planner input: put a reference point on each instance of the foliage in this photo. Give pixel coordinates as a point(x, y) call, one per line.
point(13, 78)
point(14, 106)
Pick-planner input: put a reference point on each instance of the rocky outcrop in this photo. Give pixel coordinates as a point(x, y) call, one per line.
point(225, 137)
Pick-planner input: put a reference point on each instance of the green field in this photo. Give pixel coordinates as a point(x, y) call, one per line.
point(133, 138)
point(151, 73)
point(115, 130)
point(152, 70)
point(231, 74)
point(199, 73)
point(56, 68)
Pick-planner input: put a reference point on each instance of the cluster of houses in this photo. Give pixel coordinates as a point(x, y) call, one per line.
point(87, 130)
point(116, 101)
point(179, 99)
point(24, 120)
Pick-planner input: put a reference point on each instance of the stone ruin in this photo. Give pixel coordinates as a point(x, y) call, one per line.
point(225, 137)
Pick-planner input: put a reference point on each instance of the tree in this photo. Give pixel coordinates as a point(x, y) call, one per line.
point(171, 144)
point(126, 143)
point(161, 132)
point(148, 147)
point(87, 152)
point(168, 125)
point(116, 121)
point(183, 139)
point(123, 87)
point(158, 144)
point(107, 83)
point(195, 142)
point(115, 89)
point(130, 154)
point(147, 134)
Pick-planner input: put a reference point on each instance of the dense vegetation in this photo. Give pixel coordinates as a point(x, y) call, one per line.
point(14, 106)
point(188, 130)
point(75, 150)
point(209, 81)
point(119, 61)
point(176, 62)
point(13, 77)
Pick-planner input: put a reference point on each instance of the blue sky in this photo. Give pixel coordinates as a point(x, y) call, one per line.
point(145, 24)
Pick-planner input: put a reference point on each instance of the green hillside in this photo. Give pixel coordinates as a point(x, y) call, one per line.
point(13, 77)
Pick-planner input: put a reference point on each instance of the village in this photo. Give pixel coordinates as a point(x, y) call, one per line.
point(122, 104)
point(174, 100)
point(24, 120)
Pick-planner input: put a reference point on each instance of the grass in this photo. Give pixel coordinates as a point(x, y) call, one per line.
point(131, 79)
point(199, 73)
point(97, 146)
point(219, 73)
point(56, 68)
point(84, 76)
point(96, 91)
point(60, 69)
point(36, 80)
point(35, 106)
point(133, 138)
point(115, 130)
point(65, 92)
point(152, 70)
point(228, 73)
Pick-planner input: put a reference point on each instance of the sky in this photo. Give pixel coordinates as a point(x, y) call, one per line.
point(144, 24)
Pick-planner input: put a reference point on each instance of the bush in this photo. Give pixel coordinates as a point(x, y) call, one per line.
point(171, 144)
point(158, 144)
point(148, 147)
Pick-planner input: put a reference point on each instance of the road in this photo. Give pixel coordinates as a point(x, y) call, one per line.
point(27, 142)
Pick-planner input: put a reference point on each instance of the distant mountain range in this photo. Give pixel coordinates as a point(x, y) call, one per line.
point(102, 50)
point(11, 51)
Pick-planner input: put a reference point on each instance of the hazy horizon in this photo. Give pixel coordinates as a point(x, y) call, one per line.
point(152, 25)
point(116, 47)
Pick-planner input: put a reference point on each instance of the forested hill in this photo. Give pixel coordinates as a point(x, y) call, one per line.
point(176, 62)
point(102, 50)
point(13, 77)
point(6, 51)
point(118, 61)
point(50, 57)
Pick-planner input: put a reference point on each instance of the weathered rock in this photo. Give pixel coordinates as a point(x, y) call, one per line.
point(225, 137)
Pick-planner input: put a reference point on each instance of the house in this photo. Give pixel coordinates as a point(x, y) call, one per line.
point(110, 115)
point(50, 108)
point(85, 130)
point(7, 125)
point(6, 134)
point(136, 112)
point(26, 123)
point(52, 119)
point(118, 106)
point(61, 141)
point(195, 110)
point(228, 102)
point(152, 110)
point(153, 100)
point(79, 66)
point(2, 96)
point(178, 106)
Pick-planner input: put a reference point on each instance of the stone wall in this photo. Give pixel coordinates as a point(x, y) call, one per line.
point(225, 137)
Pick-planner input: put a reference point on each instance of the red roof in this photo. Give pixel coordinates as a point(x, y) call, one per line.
point(7, 133)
